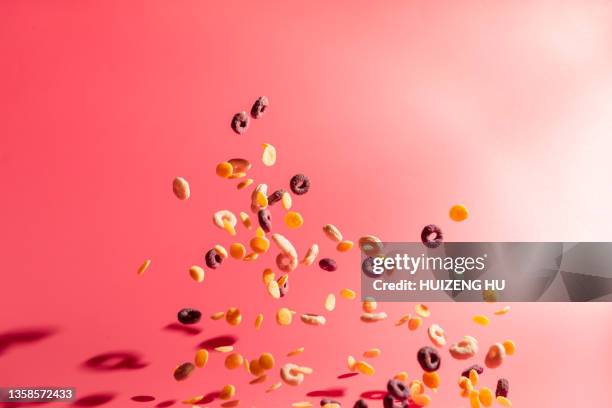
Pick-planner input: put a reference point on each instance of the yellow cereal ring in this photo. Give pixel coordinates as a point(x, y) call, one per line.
point(237, 250)
point(233, 361)
point(344, 246)
point(224, 169)
point(509, 346)
point(293, 219)
point(259, 244)
point(266, 361)
point(259, 321)
point(458, 213)
point(201, 358)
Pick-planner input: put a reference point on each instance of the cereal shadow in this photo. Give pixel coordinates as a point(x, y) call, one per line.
point(165, 404)
point(16, 338)
point(210, 397)
point(347, 375)
point(181, 328)
point(330, 392)
point(374, 394)
point(143, 398)
point(115, 360)
point(94, 400)
point(218, 341)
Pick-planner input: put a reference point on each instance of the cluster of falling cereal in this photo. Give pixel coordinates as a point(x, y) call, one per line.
point(400, 390)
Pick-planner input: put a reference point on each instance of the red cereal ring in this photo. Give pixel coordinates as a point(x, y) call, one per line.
point(426, 236)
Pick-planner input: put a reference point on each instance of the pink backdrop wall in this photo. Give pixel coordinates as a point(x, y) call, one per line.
point(396, 110)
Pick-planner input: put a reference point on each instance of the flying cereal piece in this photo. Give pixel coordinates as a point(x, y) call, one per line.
point(350, 363)
point(458, 213)
point(295, 352)
point(227, 392)
point(344, 246)
point(180, 187)
point(414, 323)
point(364, 368)
point(244, 183)
point(285, 246)
point(268, 156)
point(224, 170)
point(422, 310)
point(311, 255)
point(246, 220)
point(403, 319)
point(221, 251)
point(330, 302)
point(313, 320)
point(217, 315)
point(274, 289)
point(371, 245)
point(481, 320)
point(259, 198)
point(348, 294)
point(286, 201)
point(144, 267)
point(284, 316)
point(502, 311)
point(290, 375)
point(226, 220)
point(372, 353)
point(197, 273)
point(274, 386)
point(332, 232)
point(259, 321)
point(373, 317)
point(201, 358)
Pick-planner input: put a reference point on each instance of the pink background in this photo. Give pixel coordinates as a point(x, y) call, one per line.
point(396, 110)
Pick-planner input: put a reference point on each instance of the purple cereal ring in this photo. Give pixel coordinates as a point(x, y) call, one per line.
point(213, 259)
point(183, 371)
point(428, 358)
point(300, 184)
point(360, 404)
point(427, 232)
point(479, 370)
point(275, 196)
point(265, 219)
point(389, 402)
point(503, 387)
point(367, 266)
point(240, 122)
point(398, 390)
point(284, 288)
point(259, 107)
point(328, 264)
